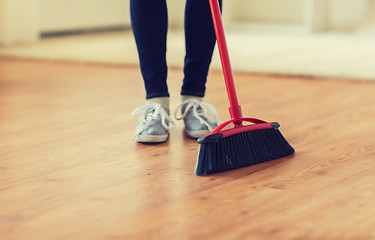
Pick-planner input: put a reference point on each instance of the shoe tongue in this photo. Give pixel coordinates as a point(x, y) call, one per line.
point(183, 107)
point(150, 112)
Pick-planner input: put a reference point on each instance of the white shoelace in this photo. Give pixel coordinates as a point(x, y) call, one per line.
point(150, 112)
point(200, 113)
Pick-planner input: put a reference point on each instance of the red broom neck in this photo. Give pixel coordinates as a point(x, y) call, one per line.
point(235, 108)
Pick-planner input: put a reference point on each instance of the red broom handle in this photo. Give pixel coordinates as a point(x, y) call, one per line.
point(234, 109)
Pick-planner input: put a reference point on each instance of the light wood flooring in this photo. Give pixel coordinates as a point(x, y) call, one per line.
point(70, 168)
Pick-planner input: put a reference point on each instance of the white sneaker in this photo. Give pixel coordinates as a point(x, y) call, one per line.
point(199, 117)
point(153, 124)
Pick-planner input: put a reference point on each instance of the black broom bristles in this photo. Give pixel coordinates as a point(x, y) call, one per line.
point(240, 150)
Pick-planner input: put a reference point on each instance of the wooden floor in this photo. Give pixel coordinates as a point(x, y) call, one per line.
point(70, 168)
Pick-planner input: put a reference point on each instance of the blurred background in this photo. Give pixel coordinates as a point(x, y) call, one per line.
point(326, 38)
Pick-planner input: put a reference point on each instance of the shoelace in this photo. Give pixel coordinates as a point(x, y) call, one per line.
point(199, 111)
point(150, 112)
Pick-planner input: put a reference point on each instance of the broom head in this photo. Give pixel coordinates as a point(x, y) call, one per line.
point(241, 146)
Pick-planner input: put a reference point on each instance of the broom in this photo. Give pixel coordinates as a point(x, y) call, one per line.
point(242, 145)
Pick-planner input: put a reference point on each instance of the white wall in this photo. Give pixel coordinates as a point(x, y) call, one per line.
point(60, 15)
point(176, 12)
point(18, 21)
point(368, 22)
point(24, 20)
point(346, 14)
point(317, 15)
point(270, 11)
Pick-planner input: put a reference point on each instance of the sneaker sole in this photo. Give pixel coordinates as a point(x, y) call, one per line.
point(196, 134)
point(151, 138)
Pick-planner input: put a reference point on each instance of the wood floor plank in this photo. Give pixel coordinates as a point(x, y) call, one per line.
point(71, 169)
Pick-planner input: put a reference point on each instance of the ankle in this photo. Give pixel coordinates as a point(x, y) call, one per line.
point(163, 101)
point(188, 97)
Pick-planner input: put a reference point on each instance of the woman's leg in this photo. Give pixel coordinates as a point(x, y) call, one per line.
point(149, 20)
point(200, 42)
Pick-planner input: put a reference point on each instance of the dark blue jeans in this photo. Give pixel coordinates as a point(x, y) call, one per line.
point(149, 20)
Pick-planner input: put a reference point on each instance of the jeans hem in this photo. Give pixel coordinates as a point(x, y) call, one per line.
point(155, 95)
point(191, 93)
